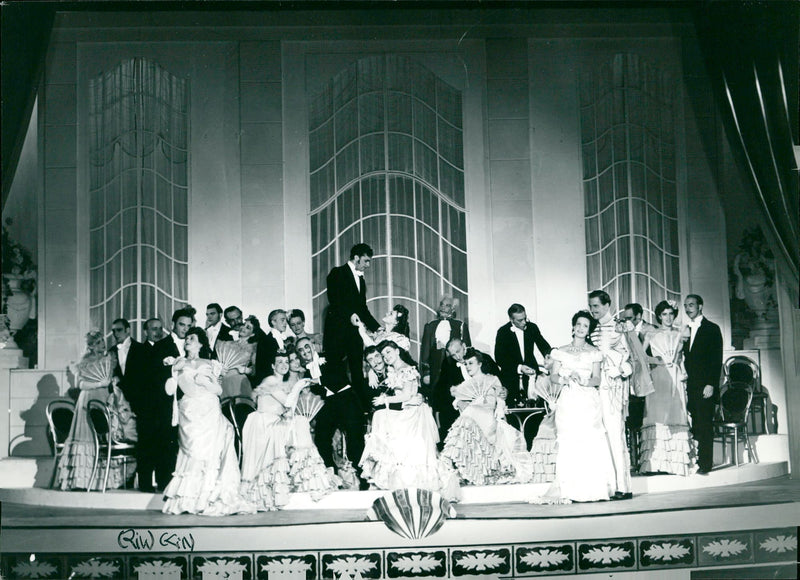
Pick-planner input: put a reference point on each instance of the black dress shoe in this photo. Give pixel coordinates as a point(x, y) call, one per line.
point(703, 471)
point(621, 495)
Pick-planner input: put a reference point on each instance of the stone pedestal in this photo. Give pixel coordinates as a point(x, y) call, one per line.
point(10, 358)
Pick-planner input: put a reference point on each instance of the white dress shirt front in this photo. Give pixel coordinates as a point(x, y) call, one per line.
point(122, 353)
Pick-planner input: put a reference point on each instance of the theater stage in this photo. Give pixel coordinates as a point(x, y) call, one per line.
point(742, 518)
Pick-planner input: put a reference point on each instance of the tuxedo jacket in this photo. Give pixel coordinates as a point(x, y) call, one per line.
point(430, 357)
point(155, 403)
point(507, 355)
point(344, 300)
point(224, 332)
point(449, 376)
point(131, 381)
point(703, 360)
point(266, 348)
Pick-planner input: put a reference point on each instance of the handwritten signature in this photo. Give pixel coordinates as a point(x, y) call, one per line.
point(130, 539)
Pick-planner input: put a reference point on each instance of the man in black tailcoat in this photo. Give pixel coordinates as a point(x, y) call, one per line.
point(702, 352)
point(347, 303)
point(513, 351)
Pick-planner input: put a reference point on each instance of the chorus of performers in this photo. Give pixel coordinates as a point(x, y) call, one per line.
point(352, 409)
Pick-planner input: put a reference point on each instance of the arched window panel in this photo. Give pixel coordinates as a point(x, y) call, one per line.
point(397, 184)
point(451, 143)
point(138, 193)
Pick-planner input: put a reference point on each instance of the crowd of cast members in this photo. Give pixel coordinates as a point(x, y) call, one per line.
point(438, 424)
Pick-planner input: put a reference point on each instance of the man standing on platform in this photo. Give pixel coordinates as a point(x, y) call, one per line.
point(702, 352)
point(347, 303)
point(614, 369)
point(513, 351)
point(131, 362)
point(158, 438)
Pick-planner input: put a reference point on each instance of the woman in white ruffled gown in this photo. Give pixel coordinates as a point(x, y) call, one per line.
point(584, 470)
point(278, 453)
point(400, 449)
point(484, 448)
point(206, 476)
point(95, 381)
point(665, 442)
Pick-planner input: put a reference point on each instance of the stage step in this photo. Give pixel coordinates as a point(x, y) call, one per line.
point(362, 500)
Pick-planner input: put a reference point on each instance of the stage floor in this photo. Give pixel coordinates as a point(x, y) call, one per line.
point(750, 525)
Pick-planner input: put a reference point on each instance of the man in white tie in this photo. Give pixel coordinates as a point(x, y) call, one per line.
point(158, 438)
point(702, 352)
point(131, 361)
point(435, 336)
point(347, 303)
point(514, 352)
point(215, 329)
point(614, 387)
point(233, 320)
point(153, 332)
point(272, 340)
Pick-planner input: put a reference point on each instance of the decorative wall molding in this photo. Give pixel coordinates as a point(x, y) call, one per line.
point(774, 546)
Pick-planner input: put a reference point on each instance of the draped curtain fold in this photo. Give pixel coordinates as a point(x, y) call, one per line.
point(751, 55)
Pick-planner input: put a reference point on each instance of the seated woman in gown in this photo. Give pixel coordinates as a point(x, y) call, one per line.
point(584, 471)
point(278, 453)
point(665, 442)
point(236, 378)
point(206, 476)
point(484, 448)
point(400, 450)
point(95, 380)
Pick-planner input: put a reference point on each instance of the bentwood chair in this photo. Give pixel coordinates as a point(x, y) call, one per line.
point(734, 409)
point(60, 413)
point(105, 444)
point(743, 369)
point(236, 409)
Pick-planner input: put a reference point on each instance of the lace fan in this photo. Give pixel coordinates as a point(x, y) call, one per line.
point(231, 355)
point(546, 389)
point(308, 404)
point(98, 371)
point(470, 390)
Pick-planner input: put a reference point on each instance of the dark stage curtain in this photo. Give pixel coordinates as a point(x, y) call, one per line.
point(751, 56)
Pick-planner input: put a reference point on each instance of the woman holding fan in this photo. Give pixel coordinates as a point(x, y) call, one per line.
point(484, 448)
point(666, 446)
point(238, 360)
point(206, 476)
point(278, 453)
point(94, 377)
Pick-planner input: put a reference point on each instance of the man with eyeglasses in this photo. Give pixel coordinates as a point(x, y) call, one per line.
point(130, 355)
point(132, 358)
